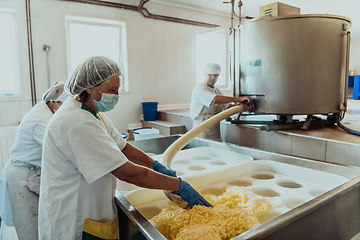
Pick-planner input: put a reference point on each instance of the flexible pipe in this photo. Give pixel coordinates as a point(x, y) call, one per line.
point(174, 148)
point(347, 129)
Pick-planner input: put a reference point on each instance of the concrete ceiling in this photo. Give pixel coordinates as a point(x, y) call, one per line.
point(347, 8)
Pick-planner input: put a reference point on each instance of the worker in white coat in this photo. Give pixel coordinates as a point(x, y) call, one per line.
point(20, 178)
point(207, 100)
point(84, 154)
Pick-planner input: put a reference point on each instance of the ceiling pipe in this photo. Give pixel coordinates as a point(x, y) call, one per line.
point(145, 12)
point(106, 4)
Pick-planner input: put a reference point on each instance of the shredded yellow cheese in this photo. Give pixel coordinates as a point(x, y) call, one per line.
point(235, 212)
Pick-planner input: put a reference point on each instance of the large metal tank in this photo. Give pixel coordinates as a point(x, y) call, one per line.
point(295, 64)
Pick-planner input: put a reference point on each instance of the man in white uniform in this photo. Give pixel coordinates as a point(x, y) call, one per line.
point(20, 178)
point(84, 154)
point(208, 100)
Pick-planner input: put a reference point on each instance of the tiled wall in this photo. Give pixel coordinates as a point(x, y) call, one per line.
point(290, 144)
point(161, 55)
point(354, 55)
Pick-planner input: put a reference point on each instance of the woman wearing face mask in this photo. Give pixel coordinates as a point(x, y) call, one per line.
point(84, 154)
point(20, 178)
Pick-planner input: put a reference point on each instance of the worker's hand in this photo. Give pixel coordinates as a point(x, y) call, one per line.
point(244, 99)
point(189, 194)
point(160, 168)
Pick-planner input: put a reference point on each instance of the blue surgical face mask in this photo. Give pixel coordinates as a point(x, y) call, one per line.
point(107, 101)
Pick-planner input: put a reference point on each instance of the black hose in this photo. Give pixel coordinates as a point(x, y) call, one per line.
point(347, 129)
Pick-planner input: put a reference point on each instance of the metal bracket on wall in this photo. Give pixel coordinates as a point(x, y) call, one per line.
point(46, 48)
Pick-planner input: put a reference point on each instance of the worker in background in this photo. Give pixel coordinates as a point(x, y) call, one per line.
point(20, 179)
point(84, 154)
point(208, 100)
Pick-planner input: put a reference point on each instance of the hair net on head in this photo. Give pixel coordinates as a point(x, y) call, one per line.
point(55, 93)
point(213, 68)
point(90, 73)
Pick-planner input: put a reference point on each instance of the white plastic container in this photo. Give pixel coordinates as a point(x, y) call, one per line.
point(145, 133)
point(202, 160)
point(124, 136)
point(293, 184)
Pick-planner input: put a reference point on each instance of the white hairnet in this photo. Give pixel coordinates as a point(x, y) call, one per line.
point(90, 73)
point(55, 93)
point(213, 68)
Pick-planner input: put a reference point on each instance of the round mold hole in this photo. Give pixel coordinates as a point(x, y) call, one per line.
point(268, 216)
point(179, 173)
point(316, 192)
point(149, 211)
point(262, 176)
point(183, 162)
point(212, 190)
point(217, 162)
point(196, 168)
point(240, 183)
point(289, 184)
point(203, 158)
point(266, 192)
point(294, 202)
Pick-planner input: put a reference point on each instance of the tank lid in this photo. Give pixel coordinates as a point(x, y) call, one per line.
point(267, 18)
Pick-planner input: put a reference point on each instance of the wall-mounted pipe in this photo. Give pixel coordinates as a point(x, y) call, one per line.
point(30, 51)
point(145, 12)
point(106, 4)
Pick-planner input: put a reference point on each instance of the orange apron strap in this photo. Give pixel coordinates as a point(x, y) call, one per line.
point(103, 122)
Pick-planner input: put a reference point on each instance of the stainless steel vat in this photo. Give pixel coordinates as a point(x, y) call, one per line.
point(332, 215)
point(295, 64)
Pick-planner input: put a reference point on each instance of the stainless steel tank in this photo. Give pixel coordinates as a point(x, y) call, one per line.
point(295, 64)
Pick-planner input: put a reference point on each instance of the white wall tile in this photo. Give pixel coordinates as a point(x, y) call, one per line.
point(308, 148)
point(242, 136)
point(277, 142)
point(343, 153)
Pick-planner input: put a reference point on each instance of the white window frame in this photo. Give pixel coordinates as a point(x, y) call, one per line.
point(123, 61)
point(200, 67)
point(9, 94)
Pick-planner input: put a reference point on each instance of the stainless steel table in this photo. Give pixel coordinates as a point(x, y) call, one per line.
point(332, 215)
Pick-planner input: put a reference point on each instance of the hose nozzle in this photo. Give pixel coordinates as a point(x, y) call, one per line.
point(252, 107)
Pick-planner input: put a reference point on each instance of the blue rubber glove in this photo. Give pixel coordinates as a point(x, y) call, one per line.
point(189, 194)
point(158, 167)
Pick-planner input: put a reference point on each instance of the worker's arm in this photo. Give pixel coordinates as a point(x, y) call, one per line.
point(145, 177)
point(218, 99)
point(137, 156)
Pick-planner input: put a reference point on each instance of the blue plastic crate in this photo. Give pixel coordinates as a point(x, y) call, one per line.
point(351, 81)
point(356, 90)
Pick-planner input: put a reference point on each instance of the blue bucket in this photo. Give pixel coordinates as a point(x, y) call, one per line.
point(150, 110)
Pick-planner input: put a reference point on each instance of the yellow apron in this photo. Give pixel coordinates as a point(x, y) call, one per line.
point(98, 231)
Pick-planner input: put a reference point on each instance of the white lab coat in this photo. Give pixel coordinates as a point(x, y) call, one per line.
point(20, 185)
point(76, 181)
point(202, 108)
